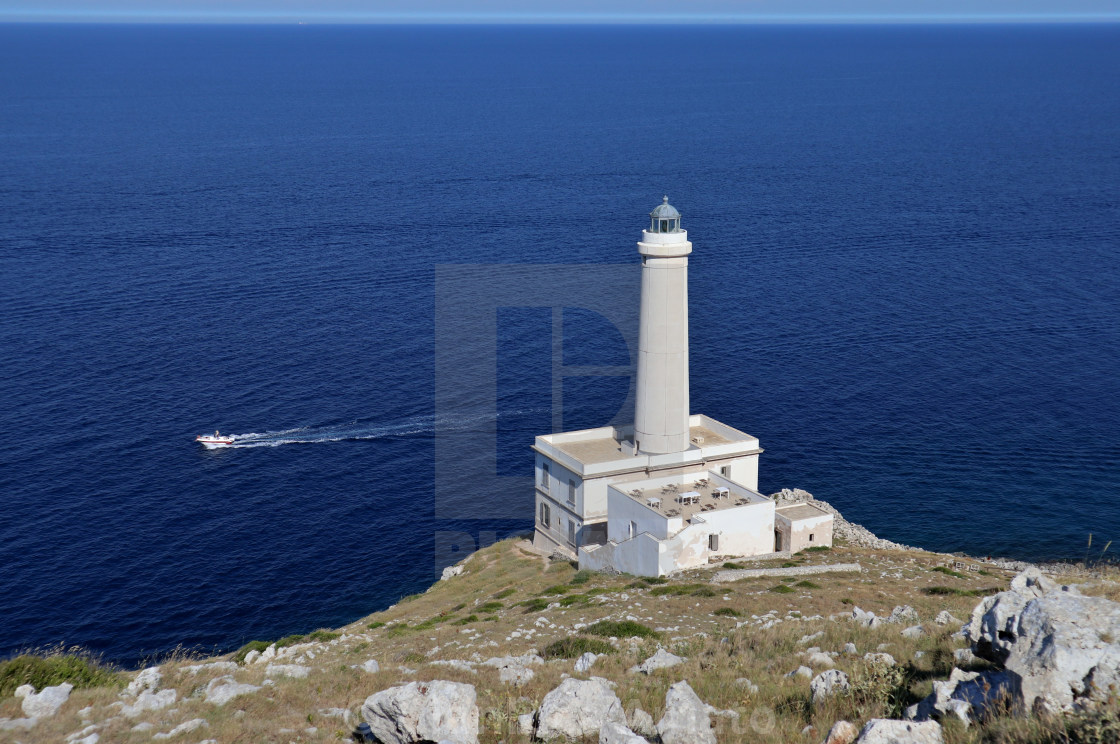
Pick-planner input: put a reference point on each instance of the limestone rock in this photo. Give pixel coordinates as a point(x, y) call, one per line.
point(993, 627)
point(525, 724)
point(850, 649)
point(964, 656)
point(503, 661)
point(801, 671)
point(660, 660)
point(184, 728)
point(295, 671)
point(903, 614)
point(880, 658)
point(46, 703)
point(946, 618)
point(616, 733)
point(423, 711)
point(515, 675)
point(252, 656)
point(147, 679)
point(686, 719)
point(914, 631)
point(842, 732)
point(828, 683)
point(148, 700)
point(1065, 651)
point(821, 659)
point(450, 572)
point(371, 666)
point(641, 723)
point(965, 695)
point(267, 655)
point(585, 662)
point(18, 724)
point(747, 685)
point(216, 666)
point(223, 689)
point(890, 731)
point(578, 708)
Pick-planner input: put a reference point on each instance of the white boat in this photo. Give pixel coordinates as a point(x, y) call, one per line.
point(215, 441)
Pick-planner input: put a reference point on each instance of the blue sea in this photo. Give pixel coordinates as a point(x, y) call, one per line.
point(905, 282)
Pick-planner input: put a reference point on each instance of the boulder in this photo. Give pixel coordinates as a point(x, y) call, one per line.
point(370, 665)
point(801, 671)
point(842, 732)
point(515, 675)
point(747, 685)
point(902, 614)
point(993, 628)
point(686, 719)
point(578, 708)
point(880, 658)
point(184, 728)
point(946, 618)
point(147, 679)
point(17, 724)
point(585, 662)
point(148, 700)
point(423, 711)
point(223, 689)
point(890, 731)
point(46, 703)
point(450, 572)
point(965, 695)
point(525, 724)
point(642, 723)
point(1065, 651)
point(827, 684)
point(660, 660)
point(616, 733)
point(914, 631)
point(820, 659)
point(850, 649)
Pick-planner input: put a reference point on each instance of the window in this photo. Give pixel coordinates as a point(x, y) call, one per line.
point(571, 532)
point(571, 492)
point(810, 537)
point(713, 542)
point(725, 471)
point(545, 514)
point(633, 529)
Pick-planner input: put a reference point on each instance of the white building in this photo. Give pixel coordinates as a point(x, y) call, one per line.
point(676, 490)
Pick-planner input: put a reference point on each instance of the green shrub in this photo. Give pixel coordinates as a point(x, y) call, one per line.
point(818, 549)
point(375, 625)
point(397, 630)
point(289, 640)
point(952, 590)
point(323, 635)
point(46, 671)
point(573, 648)
point(726, 612)
point(729, 564)
point(572, 599)
point(880, 684)
point(651, 580)
point(258, 646)
point(581, 577)
point(683, 590)
point(486, 607)
point(536, 604)
point(783, 589)
point(558, 589)
point(505, 593)
point(621, 629)
point(807, 585)
point(413, 658)
point(466, 620)
point(411, 597)
point(847, 601)
point(789, 564)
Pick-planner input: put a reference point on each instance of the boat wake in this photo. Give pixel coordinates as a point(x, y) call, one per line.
point(365, 430)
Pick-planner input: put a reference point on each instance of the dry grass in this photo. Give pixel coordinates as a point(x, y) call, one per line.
point(481, 614)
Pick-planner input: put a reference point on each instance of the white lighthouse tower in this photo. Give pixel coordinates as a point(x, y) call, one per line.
point(661, 410)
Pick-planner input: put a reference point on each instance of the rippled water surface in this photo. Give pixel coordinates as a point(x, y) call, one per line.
point(905, 282)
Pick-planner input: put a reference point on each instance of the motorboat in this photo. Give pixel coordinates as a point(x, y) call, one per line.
point(215, 441)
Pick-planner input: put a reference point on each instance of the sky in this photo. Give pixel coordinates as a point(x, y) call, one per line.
point(559, 11)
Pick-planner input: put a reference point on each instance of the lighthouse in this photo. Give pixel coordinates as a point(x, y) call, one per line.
point(676, 489)
point(661, 424)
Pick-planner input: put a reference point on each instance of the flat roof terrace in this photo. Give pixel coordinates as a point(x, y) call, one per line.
point(691, 497)
point(608, 449)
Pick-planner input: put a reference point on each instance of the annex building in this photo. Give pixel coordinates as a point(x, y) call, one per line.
point(675, 490)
